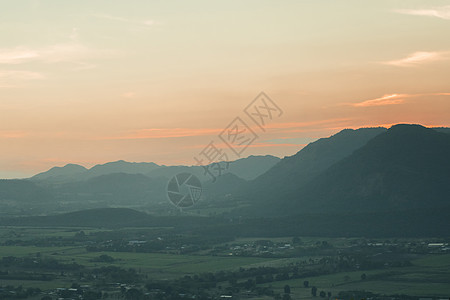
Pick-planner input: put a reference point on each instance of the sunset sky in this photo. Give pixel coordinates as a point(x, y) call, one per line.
point(89, 82)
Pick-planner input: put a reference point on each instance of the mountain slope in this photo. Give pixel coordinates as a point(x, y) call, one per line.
point(61, 174)
point(22, 192)
point(121, 166)
point(116, 188)
point(406, 167)
point(246, 168)
point(253, 166)
point(298, 170)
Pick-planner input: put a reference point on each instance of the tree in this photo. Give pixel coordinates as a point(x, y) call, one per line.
point(133, 294)
point(314, 291)
point(306, 283)
point(296, 240)
point(259, 279)
point(249, 284)
point(232, 281)
point(286, 297)
point(287, 289)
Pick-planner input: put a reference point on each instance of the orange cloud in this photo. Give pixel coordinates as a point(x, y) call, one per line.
point(392, 99)
point(385, 100)
point(305, 124)
point(159, 133)
point(11, 134)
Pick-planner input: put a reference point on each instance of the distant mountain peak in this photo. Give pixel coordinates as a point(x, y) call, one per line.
point(67, 171)
point(397, 127)
point(74, 166)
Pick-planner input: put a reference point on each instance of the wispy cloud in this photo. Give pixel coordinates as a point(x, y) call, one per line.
point(385, 100)
point(391, 99)
point(416, 58)
point(162, 133)
point(262, 144)
point(17, 55)
point(147, 23)
point(315, 123)
point(72, 51)
point(442, 12)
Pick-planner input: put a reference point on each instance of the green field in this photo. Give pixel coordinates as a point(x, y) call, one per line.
point(164, 265)
point(429, 276)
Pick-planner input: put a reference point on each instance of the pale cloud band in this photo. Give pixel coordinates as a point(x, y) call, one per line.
point(126, 20)
point(442, 12)
point(417, 58)
point(75, 53)
point(64, 52)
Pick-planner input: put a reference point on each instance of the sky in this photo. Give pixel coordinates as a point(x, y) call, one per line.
point(89, 82)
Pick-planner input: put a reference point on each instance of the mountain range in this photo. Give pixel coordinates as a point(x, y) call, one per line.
point(397, 176)
point(117, 183)
point(245, 168)
point(404, 167)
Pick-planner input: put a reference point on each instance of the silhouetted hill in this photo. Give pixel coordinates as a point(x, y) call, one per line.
point(140, 184)
point(110, 218)
point(116, 188)
point(406, 167)
point(61, 174)
point(224, 185)
point(442, 129)
point(22, 192)
point(122, 166)
point(246, 168)
point(295, 171)
point(253, 166)
point(23, 197)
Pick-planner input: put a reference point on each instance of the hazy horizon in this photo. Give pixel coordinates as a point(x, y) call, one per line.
point(88, 83)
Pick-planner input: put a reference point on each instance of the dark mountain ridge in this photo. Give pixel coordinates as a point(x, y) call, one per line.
point(293, 172)
point(407, 167)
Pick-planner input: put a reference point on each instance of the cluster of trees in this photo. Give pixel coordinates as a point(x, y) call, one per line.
point(11, 292)
point(38, 263)
point(163, 242)
point(116, 274)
